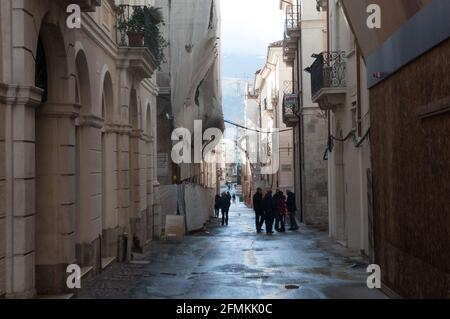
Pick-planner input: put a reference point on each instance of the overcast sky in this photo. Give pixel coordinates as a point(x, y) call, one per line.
point(248, 26)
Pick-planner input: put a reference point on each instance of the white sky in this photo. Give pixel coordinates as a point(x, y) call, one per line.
point(248, 26)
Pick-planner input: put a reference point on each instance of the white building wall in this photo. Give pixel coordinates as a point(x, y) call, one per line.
point(348, 165)
point(313, 131)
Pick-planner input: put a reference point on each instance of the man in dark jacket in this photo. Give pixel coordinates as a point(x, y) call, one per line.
point(269, 213)
point(226, 203)
point(292, 208)
point(259, 210)
point(217, 205)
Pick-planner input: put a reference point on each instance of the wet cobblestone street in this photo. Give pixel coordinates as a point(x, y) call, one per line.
point(235, 262)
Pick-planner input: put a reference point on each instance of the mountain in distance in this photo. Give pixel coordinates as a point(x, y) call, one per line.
point(236, 70)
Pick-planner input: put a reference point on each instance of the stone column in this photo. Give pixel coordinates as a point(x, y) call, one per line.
point(150, 215)
point(55, 195)
point(17, 189)
point(156, 195)
point(124, 184)
point(90, 190)
point(138, 192)
point(3, 93)
point(111, 190)
point(143, 189)
point(123, 149)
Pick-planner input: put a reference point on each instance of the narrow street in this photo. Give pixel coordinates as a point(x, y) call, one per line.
point(234, 262)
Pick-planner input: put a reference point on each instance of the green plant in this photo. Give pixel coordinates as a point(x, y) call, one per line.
point(146, 20)
point(137, 21)
point(153, 37)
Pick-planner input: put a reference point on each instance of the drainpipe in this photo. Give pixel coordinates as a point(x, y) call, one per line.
point(300, 123)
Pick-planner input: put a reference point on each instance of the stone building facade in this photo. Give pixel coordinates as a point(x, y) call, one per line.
point(263, 110)
point(304, 36)
point(77, 144)
point(345, 99)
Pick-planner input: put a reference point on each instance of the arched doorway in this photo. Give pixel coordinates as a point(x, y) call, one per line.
point(54, 163)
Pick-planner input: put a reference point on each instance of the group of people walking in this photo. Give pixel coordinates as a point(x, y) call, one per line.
point(274, 208)
point(223, 203)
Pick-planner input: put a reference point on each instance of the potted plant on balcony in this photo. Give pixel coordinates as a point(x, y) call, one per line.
point(136, 28)
point(154, 39)
point(143, 29)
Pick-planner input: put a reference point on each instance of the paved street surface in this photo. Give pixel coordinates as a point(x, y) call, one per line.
point(235, 262)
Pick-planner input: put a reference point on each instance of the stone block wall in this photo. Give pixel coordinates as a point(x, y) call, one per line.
point(315, 171)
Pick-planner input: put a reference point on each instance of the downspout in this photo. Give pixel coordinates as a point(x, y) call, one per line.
point(300, 120)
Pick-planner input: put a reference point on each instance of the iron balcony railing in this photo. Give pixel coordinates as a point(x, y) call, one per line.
point(137, 25)
point(291, 106)
point(292, 17)
point(328, 71)
point(124, 16)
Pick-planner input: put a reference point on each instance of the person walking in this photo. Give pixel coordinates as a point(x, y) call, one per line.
point(258, 207)
point(276, 213)
point(217, 205)
point(292, 208)
point(282, 212)
point(226, 203)
point(268, 207)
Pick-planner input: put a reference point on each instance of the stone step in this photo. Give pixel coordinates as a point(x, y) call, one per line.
point(107, 261)
point(85, 271)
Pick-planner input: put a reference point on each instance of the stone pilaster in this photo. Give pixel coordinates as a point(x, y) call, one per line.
point(55, 195)
point(90, 191)
point(150, 177)
point(2, 193)
point(136, 218)
point(157, 221)
point(110, 234)
point(17, 189)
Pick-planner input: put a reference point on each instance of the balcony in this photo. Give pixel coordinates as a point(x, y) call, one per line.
point(138, 39)
point(328, 79)
point(291, 108)
point(292, 33)
point(292, 26)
